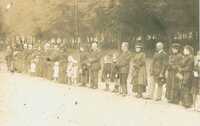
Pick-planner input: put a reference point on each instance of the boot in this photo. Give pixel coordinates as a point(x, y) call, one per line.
point(116, 89)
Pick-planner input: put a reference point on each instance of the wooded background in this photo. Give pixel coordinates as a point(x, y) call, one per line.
point(110, 20)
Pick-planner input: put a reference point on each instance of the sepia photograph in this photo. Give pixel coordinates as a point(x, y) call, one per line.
point(99, 63)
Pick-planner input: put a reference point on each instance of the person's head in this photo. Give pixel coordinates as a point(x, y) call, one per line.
point(105, 58)
point(17, 38)
point(56, 63)
point(124, 46)
point(198, 63)
point(70, 58)
point(30, 46)
point(25, 46)
point(114, 57)
point(36, 58)
point(8, 47)
point(175, 48)
point(81, 49)
point(53, 41)
point(94, 46)
point(159, 46)
point(59, 40)
point(55, 46)
point(198, 58)
point(138, 47)
point(198, 54)
point(46, 46)
point(188, 50)
point(23, 38)
point(39, 48)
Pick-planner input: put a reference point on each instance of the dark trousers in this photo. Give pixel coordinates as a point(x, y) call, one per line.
point(94, 75)
point(84, 77)
point(123, 82)
point(186, 96)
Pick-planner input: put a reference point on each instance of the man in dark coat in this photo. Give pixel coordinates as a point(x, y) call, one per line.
point(9, 58)
point(158, 71)
point(187, 67)
point(173, 83)
point(196, 83)
point(123, 66)
point(84, 70)
point(94, 65)
point(26, 53)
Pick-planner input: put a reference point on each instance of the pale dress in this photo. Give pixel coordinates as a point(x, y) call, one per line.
point(33, 67)
point(72, 70)
point(56, 71)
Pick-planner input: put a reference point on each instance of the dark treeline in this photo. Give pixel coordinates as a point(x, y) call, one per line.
point(120, 20)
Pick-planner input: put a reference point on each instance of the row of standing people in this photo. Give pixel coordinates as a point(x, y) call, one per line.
point(175, 70)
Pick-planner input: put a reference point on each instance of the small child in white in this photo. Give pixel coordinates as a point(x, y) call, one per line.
point(33, 67)
point(56, 71)
point(72, 71)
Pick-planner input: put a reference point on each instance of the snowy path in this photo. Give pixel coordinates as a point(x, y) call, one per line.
point(29, 101)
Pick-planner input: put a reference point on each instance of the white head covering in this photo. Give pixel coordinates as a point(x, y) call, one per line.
point(160, 45)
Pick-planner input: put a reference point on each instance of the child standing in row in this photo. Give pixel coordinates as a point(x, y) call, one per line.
point(72, 71)
point(33, 65)
point(56, 71)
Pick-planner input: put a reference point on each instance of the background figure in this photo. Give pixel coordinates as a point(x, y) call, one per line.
point(72, 71)
point(196, 84)
point(9, 58)
point(62, 69)
point(18, 65)
point(84, 70)
point(158, 71)
point(186, 69)
point(123, 66)
point(173, 83)
point(138, 71)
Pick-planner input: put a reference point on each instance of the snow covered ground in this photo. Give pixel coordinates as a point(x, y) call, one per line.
point(31, 101)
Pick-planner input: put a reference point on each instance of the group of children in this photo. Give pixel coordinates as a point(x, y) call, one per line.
point(71, 70)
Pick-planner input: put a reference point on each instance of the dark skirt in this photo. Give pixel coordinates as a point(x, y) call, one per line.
point(139, 88)
point(173, 87)
point(186, 96)
point(196, 86)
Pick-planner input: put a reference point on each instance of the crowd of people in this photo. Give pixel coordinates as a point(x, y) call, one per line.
point(174, 72)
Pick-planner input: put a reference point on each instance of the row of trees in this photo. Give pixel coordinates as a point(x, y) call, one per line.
point(130, 17)
point(113, 19)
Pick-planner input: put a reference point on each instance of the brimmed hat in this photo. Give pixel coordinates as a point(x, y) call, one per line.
point(176, 45)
